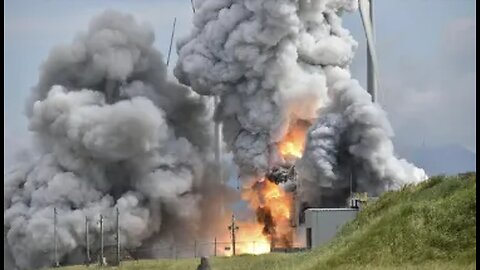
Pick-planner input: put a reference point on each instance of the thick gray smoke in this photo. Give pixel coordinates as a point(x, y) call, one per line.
point(114, 133)
point(275, 62)
point(350, 144)
point(254, 56)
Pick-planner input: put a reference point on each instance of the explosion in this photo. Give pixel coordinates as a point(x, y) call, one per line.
point(273, 208)
point(272, 204)
point(252, 240)
point(290, 148)
point(274, 62)
point(116, 133)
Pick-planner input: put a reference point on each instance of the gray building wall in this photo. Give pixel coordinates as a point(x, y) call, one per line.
point(322, 224)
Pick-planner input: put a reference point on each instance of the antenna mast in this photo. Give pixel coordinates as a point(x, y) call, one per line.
point(171, 40)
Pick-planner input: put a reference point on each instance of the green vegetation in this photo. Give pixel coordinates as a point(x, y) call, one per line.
point(431, 225)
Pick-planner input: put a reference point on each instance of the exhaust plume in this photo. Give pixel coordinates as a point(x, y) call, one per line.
point(274, 63)
point(114, 133)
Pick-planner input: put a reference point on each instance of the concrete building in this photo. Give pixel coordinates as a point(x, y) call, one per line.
point(322, 224)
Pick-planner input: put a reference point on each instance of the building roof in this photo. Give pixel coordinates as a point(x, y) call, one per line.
point(331, 209)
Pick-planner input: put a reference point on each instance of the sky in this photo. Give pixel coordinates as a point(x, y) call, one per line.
point(426, 55)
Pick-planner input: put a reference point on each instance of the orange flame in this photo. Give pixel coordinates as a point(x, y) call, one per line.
point(268, 194)
point(272, 204)
point(251, 239)
point(294, 142)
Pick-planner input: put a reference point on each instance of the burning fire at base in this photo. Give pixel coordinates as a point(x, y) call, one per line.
point(252, 240)
point(272, 204)
point(271, 228)
point(273, 211)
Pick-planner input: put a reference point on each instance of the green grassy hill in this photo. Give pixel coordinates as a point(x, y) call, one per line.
point(431, 225)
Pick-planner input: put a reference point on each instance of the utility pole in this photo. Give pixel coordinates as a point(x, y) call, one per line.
point(232, 229)
point(87, 243)
point(101, 240)
point(171, 40)
point(118, 237)
point(55, 247)
point(195, 249)
point(215, 247)
point(351, 184)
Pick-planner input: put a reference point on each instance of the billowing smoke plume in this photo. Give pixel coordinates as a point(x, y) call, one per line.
point(276, 62)
point(349, 148)
point(114, 133)
point(254, 56)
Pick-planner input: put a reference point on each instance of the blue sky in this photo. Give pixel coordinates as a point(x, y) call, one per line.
point(426, 51)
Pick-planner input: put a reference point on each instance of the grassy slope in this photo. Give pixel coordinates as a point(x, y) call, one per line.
point(427, 226)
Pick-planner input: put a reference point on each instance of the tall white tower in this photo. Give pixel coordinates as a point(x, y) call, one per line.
point(366, 13)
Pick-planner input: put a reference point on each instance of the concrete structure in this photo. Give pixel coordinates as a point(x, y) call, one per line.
point(322, 224)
